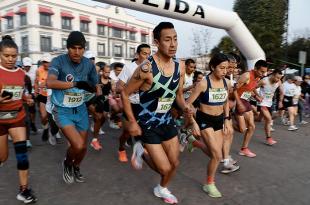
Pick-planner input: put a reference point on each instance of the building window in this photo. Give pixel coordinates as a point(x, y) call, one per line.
point(63, 43)
point(45, 19)
point(23, 19)
point(143, 38)
point(87, 45)
point(132, 36)
point(101, 30)
point(132, 52)
point(46, 43)
point(117, 33)
point(25, 44)
point(101, 49)
point(118, 51)
point(66, 23)
point(84, 26)
point(10, 24)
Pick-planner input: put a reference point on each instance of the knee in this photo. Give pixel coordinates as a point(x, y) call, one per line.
point(165, 170)
point(251, 127)
point(80, 147)
point(21, 155)
point(4, 157)
point(175, 164)
point(217, 156)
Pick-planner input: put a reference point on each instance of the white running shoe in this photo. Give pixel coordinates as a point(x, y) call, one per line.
point(292, 128)
point(303, 122)
point(136, 158)
point(165, 194)
point(52, 139)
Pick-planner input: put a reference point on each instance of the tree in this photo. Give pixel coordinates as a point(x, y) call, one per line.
point(226, 45)
point(200, 41)
point(300, 44)
point(266, 20)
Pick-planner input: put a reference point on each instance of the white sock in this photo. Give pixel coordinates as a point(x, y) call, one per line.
point(226, 162)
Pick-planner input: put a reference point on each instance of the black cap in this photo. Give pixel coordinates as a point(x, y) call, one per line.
point(76, 38)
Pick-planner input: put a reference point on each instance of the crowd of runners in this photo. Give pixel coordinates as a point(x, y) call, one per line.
point(163, 106)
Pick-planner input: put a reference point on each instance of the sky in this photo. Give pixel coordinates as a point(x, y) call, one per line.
point(299, 23)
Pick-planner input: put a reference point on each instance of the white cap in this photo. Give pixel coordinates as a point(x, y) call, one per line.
point(298, 78)
point(27, 61)
point(89, 54)
point(46, 57)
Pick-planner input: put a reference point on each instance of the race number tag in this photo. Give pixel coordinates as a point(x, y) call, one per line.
point(73, 99)
point(268, 96)
point(16, 90)
point(164, 105)
point(217, 95)
point(295, 100)
point(246, 95)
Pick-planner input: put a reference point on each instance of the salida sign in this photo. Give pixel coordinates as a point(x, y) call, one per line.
point(180, 7)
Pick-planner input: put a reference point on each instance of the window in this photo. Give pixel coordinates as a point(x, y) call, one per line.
point(143, 38)
point(25, 44)
point(118, 51)
point(117, 33)
point(63, 43)
point(46, 43)
point(23, 19)
point(84, 26)
point(132, 52)
point(87, 45)
point(101, 29)
point(132, 36)
point(101, 49)
point(66, 23)
point(45, 19)
point(10, 24)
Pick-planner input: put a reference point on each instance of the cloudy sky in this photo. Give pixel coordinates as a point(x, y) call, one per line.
point(299, 23)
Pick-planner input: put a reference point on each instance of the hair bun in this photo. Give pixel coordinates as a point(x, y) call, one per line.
point(7, 37)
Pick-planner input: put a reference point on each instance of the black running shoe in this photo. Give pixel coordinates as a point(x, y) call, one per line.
point(77, 175)
point(45, 135)
point(26, 196)
point(67, 173)
point(33, 127)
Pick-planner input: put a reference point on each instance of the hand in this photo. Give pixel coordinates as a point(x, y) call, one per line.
point(84, 85)
point(258, 98)
point(30, 101)
point(227, 128)
point(195, 129)
point(280, 105)
point(134, 129)
point(4, 99)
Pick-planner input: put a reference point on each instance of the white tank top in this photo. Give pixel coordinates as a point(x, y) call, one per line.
point(188, 81)
point(267, 92)
point(289, 89)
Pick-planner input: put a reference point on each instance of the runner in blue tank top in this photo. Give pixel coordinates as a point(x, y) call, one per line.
point(159, 83)
point(70, 76)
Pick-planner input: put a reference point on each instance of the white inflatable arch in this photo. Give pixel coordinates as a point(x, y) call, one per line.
point(191, 11)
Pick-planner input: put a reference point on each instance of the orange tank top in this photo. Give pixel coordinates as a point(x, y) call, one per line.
point(41, 78)
point(13, 81)
point(245, 91)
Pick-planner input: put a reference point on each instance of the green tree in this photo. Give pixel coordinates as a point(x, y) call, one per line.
point(226, 45)
point(266, 21)
point(300, 44)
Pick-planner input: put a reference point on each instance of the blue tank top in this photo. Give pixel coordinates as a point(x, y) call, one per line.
point(155, 103)
point(214, 96)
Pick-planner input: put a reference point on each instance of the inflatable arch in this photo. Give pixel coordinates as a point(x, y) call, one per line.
point(191, 11)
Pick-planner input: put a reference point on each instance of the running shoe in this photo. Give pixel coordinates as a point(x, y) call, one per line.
point(303, 122)
point(101, 132)
point(229, 168)
point(165, 194)
point(58, 138)
point(113, 125)
point(270, 141)
point(247, 152)
point(28, 144)
point(136, 158)
point(231, 160)
point(78, 177)
point(52, 139)
point(45, 135)
point(33, 127)
point(96, 144)
point(190, 146)
point(26, 196)
point(272, 129)
point(292, 128)
point(183, 141)
point(67, 173)
point(122, 156)
point(211, 190)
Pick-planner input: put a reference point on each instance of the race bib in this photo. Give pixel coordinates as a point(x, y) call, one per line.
point(268, 96)
point(295, 101)
point(217, 95)
point(73, 99)
point(16, 90)
point(164, 105)
point(246, 95)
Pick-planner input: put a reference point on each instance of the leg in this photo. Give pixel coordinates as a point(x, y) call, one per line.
point(268, 120)
point(4, 149)
point(249, 118)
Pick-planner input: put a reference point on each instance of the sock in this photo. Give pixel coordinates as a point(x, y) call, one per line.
point(210, 180)
point(226, 162)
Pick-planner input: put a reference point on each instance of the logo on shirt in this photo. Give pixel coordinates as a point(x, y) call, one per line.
point(69, 78)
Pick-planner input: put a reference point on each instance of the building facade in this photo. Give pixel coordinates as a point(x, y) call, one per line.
point(40, 26)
